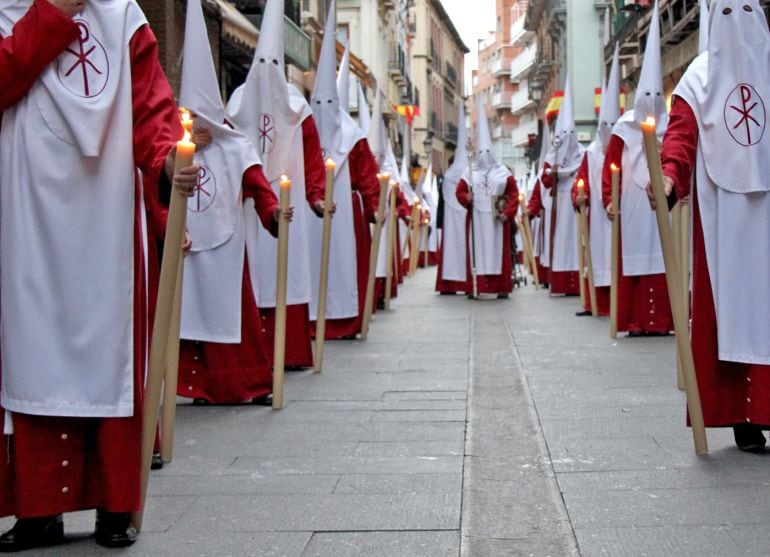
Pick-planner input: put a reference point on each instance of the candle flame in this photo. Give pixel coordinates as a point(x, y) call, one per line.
point(426, 221)
point(581, 184)
point(187, 138)
point(285, 182)
point(521, 197)
point(393, 184)
point(614, 167)
point(649, 122)
point(330, 164)
point(416, 200)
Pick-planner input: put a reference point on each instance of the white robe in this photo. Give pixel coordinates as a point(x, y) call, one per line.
point(600, 227)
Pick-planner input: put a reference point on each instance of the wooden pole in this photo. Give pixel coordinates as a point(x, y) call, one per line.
point(168, 417)
point(158, 358)
point(684, 250)
point(279, 341)
point(615, 251)
point(392, 223)
point(674, 287)
point(676, 226)
point(323, 282)
point(426, 237)
point(374, 254)
point(530, 242)
point(581, 260)
point(587, 258)
point(415, 246)
point(554, 206)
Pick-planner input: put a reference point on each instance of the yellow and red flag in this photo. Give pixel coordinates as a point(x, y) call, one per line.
point(408, 111)
point(552, 109)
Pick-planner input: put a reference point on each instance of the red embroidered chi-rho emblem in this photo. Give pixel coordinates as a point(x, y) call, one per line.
point(745, 115)
point(84, 67)
point(266, 133)
point(205, 191)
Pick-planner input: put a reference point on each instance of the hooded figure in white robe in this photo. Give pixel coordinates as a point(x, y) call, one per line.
point(453, 249)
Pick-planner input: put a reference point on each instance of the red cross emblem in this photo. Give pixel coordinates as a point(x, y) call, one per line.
point(84, 68)
point(266, 133)
point(205, 191)
point(745, 115)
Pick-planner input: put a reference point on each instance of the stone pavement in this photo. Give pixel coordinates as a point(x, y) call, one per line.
point(487, 428)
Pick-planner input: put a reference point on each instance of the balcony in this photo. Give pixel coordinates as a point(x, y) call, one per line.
point(521, 65)
point(501, 100)
point(397, 66)
point(500, 132)
point(499, 68)
point(520, 133)
point(520, 100)
point(519, 35)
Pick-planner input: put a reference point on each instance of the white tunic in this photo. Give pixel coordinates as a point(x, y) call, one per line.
point(453, 251)
point(67, 225)
point(600, 227)
point(642, 254)
point(565, 257)
point(487, 229)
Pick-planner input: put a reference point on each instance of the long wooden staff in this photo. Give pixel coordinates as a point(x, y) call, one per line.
point(389, 252)
point(374, 254)
point(323, 282)
point(158, 359)
point(581, 257)
point(676, 226)
point(528, 240)
point(415, 245)
point(684, 250)
point(554, 205)
point(587, 258)
point(674, 282)
point(279, 341)
point(426, 237)
point(615, 251)
point(168, 417)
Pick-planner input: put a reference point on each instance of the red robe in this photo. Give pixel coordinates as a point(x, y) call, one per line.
point(535, 210)
point(299, 351)
point(366, 194)
point(492, 284)
point(235, 373)
point(602, 292)
point(731, 393)
point(643, 305)
point(402, 211)
point(57, 464)
point(561, 282)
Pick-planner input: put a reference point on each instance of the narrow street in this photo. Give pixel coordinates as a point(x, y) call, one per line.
point(495, 427)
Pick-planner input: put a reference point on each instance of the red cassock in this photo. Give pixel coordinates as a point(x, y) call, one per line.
point(643, 305)
point(299, 351)
point(560, 282)
point(492, 284)
point(366, 193)
point(731, 393)
point(535, 210)
point(234, 373)
point(54, 464)
point(602, 292)
point(402, 211)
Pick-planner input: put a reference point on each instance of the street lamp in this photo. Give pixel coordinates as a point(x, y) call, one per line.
point(427, 145)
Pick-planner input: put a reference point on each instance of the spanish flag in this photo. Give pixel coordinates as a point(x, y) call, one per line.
point(552, 110)
point(407, 111)
point(598, 100)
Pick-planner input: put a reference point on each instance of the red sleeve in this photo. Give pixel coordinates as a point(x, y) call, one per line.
point(363, 177)
point(462, 193)
point(402, 206)
point(535, 204)
point(546, 178)
point(256, 187)
point(680, 145)
point(512, 192)
point(613, 155)
point(582, 174)
point(315, 171)
point(37, 39)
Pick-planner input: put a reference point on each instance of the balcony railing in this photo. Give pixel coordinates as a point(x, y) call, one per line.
point(520, 100)
point(499, 67)
point(501, 100)
point(520, 133)
point(519, 35)
point(521, 65)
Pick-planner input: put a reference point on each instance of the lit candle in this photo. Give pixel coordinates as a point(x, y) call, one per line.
point(323, 283)
point(581, 194)
point(187, 122)
point(279, 340)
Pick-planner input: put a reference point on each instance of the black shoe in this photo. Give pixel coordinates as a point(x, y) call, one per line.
point(380, 304)
point(583, 313)
point(157, 462)
point(114, 529)
point(266, 400)
point(749, 438)
point(200, 402)
point(635, 334)
point(29, 533)
point(503, 296)
point(447, 293)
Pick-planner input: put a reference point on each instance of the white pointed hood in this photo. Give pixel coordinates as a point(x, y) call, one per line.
point(649, 99)
point(728, 90)
point(199, 91)
point(610, 109)
point(343, 81)
point(545, 149)
point(406, 182)
point(376, 137)
point(261, 108)
point(485, 158)
point(566, 152)
point(460, 163)
point(703, 27)
point(364, 117)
